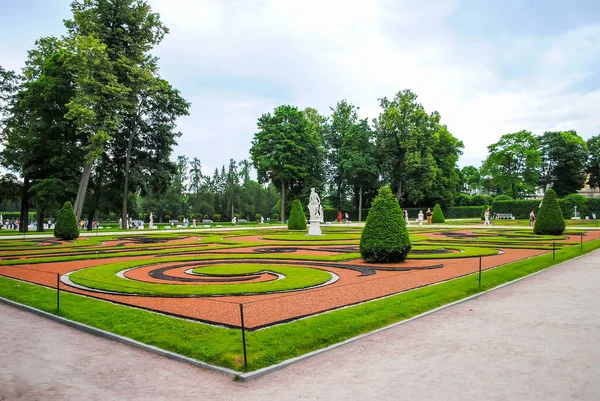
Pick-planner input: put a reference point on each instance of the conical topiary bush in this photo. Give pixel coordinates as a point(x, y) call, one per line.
point(437, 216)
point(66, 224)
point(297, 220)
point(549, 220)
point(385, 237)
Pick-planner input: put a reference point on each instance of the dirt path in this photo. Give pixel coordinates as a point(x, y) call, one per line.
point(538, 339)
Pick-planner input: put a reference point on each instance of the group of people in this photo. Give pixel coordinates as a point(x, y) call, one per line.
point(346, 216)
point(83, 224)
point(10, 225)
point(420, 217)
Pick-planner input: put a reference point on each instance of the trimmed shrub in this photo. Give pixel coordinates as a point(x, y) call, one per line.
point(549, 220)
point(66, 223)
point(385, 238)
point(257, 216)
point(297, 220)
point(520, 209)
point(437, 216)
point(502, 197)
point(568, 203)
point(216, 217)
point(594, 207)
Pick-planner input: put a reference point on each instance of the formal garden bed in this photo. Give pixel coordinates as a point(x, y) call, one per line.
point(298, 295)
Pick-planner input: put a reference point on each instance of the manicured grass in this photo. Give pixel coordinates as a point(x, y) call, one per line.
point(104, 278)
point(305, 237)
point(268, 346)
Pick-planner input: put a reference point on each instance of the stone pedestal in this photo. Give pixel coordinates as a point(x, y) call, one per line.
point(314, 228)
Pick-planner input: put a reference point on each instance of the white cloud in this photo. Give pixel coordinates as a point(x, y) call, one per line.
point(237, 59)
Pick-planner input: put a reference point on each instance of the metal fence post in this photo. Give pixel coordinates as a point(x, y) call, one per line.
point(480, 271)
point(581, 243)
point(243, 335)
point(58, 293)
point(553, 249)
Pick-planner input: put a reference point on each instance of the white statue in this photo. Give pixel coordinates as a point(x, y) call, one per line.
point(314, 206)
point(120, 223)
point(315, 209)
point(262, 220)
point(234, 221)
point(151, 221)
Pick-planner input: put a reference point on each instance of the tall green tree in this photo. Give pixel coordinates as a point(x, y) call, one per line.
point(513, 164)
point(343, 120)
point(130, 31)
point(358, 160)
point(593, 167)
point(281, 148)
point(405, 137)
point(471, 179)
point(447, 181)
point(564, 158)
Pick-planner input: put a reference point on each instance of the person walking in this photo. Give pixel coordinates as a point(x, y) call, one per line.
point(429, 214)
point(531, 218)
point(340, 217)
point(347, 218)
point(420, 218)
point(487, 217)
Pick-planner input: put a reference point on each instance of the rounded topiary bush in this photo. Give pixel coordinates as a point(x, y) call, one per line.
point(549, 220)
point(438, 215)
point(66, 224)
point(385, 238)
point(297, 219)
point(502, 198)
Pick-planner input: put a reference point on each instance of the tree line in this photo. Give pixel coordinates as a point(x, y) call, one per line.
point(521, 164)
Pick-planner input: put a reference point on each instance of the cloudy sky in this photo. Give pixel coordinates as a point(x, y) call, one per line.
point(489, 67)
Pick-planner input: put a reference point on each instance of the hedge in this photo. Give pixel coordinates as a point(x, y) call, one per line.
point(385, 237)
point(520, 209)
point(452, 212)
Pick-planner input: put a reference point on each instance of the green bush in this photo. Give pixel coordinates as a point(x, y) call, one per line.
point(520, 209)
point(297, 219)
point(385, 238)
point(66, 224)
point(257, 216)
point(594, 207)
point(437, 216)
point(502, 197)
point(568, 203)
point(216, 217)
point(549, 220)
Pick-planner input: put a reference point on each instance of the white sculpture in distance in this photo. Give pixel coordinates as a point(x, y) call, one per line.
point(315, 209)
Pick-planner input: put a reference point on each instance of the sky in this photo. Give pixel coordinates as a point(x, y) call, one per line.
point(488, 67)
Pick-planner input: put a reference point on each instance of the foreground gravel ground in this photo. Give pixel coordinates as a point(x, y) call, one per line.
point(538, 339)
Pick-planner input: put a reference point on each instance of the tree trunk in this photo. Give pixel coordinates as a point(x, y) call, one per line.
point(360, 203)
point(81, 192)
point(232, 208)
point(126, 180)
point(282, 201)
point(97, 194)
point(399, 193)
point(39, 214)
point(24, 217)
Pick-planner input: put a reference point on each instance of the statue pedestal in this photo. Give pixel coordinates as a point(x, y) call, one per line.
point(314, 228)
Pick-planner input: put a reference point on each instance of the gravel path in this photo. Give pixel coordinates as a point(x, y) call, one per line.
point(538, 339)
